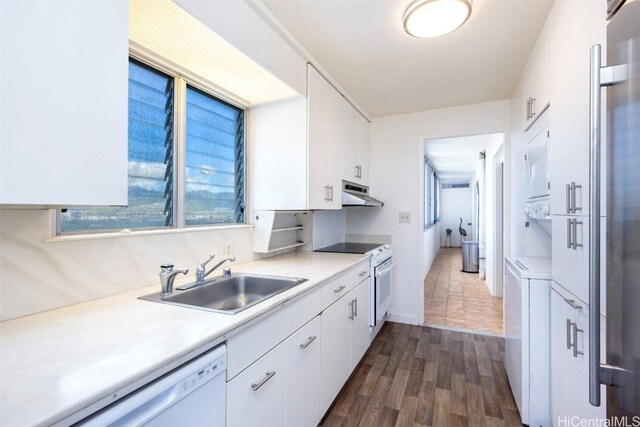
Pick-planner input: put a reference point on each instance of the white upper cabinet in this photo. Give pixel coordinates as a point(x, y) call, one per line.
point(536, 85)
point(304, 147)
point(577, 29)
point(63, 137)
point(355, 165)
point(326, 133)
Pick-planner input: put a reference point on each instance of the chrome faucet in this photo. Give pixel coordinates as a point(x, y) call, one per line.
point(201, 273)
point(200, 270)
point(167, 276)
point(226, 272)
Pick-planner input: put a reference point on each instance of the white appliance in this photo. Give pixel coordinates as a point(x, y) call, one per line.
point(191, 395)
point(538, 185)
point(382, 266)
point(526, 328)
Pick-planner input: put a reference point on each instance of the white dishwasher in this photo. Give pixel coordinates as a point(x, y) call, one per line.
point(191, 395)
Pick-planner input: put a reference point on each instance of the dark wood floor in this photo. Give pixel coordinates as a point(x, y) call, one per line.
point(419, 376)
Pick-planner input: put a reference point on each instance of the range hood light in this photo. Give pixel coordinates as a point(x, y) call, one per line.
point(433, 18)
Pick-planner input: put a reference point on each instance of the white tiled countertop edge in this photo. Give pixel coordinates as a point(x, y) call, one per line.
point(85, 356)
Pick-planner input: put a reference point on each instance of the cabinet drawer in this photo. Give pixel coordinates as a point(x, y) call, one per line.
point(255, 397)
point(342, 285)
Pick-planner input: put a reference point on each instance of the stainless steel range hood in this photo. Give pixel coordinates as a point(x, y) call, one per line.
point(358, 195)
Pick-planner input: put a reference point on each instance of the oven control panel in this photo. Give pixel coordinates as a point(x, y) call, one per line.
point(539, 210)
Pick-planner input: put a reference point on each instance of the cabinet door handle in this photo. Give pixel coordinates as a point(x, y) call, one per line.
point(355, 303)
point(308, 342)
point(574, 208)
point(362, 273)
point(330, 188)
point(339, 289)
point(268, 376)
point(576, 245)
point(326, 193)
point(575, 340)
point(533, 107)
point(573, 304)
point(568, 198)
point(528, 109)
point(351, 314)
point(569, 236)
point(569, 323)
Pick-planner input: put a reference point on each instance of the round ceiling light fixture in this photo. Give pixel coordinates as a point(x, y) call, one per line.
point(433, 18)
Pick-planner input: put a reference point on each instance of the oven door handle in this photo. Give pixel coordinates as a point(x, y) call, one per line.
point(386, 270)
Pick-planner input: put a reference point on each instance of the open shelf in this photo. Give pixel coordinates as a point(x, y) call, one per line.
point(283, 248)
point(277, 230)
point(281, 230)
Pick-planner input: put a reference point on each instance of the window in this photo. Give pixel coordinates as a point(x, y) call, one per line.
point(211, 187)
point(431, 195)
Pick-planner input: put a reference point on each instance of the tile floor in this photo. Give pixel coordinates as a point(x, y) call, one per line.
point(457, 299)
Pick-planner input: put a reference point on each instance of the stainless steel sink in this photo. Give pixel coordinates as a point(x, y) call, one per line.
point(229, 295)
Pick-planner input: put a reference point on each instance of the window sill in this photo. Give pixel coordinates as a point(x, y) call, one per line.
point(141, 233)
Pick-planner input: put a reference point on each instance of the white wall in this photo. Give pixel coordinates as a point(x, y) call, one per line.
point(456, 203)
point(430, 248)
point(494, 153)
point(397, 165)
point(38, 275)
point(329, 228)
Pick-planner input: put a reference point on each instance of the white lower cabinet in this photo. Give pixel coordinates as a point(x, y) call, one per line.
point(255, 396)
point(303, 376)
point(281, 388)
point(570, 360)
point(345, 338)
point(286, 369)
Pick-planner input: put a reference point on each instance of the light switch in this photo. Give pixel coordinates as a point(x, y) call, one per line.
point(405, 217)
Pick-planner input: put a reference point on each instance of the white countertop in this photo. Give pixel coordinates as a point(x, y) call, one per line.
point(56, 363)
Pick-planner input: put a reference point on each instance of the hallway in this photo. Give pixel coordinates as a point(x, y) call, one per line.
point(457, 299)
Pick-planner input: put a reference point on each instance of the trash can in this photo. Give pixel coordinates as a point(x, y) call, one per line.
point(470, 257)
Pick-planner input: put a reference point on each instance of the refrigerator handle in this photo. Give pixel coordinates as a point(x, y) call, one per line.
point(594, 226)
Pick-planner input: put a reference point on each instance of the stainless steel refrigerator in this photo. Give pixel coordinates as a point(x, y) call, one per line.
point(620, 78)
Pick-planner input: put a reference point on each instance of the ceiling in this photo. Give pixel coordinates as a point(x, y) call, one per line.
point(386, 71)
point(456, 159)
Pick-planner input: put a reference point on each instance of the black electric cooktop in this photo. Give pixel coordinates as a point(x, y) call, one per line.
point(350, 248)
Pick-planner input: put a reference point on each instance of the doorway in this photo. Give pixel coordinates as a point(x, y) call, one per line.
point(471, 173)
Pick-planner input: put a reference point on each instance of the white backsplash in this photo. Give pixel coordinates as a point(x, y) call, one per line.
point(38, 275)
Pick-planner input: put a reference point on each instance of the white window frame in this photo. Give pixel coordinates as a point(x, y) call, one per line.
point(182, 77)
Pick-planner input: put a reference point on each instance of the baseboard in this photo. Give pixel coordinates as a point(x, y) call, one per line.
point(466, 330)
point(404, 318)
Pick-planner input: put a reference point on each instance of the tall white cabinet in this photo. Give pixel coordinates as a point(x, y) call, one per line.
point(305, 147)
point(63, 80)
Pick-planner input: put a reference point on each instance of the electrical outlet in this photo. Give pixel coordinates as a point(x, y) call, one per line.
point(226, 249)
point(405, 217)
